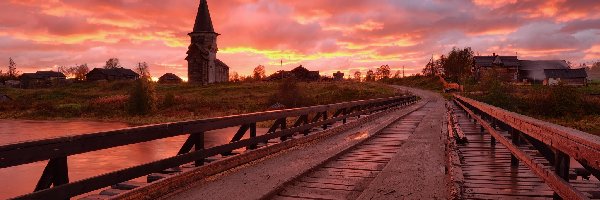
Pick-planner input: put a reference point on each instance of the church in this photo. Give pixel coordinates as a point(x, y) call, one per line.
point(203, 66)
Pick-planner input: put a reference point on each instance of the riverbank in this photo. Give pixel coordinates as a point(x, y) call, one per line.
point(106, 101)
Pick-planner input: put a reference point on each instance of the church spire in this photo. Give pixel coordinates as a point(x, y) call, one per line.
point(203, 20)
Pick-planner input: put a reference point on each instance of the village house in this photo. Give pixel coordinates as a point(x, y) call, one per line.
point(42, 79)
point(572, 77)
point(505, 66)
point(98, 74)
point(169, 78)
point(338, 76)
point(299, 73)
point(532, 71)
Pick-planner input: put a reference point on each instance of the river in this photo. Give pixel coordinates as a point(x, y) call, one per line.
point(23, 178)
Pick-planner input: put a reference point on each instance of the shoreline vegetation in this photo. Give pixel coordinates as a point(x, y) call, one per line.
point(108, 101)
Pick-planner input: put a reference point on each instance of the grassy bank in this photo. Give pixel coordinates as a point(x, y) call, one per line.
point(575, 107)
point(107, 101)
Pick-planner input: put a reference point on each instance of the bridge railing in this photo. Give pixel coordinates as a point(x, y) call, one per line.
point(57, 150)
point(556, 143)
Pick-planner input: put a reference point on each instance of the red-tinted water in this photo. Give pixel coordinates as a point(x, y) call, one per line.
point(20, 180)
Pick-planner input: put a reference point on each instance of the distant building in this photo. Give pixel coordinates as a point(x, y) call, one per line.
point(511, 69)
point(170, 78)
point(505, 66)
point(98, 74)
point(574, 77)
point(338, 76)
point(42, 79)
point(299, 73)
point(203, 65)
point(532, 71)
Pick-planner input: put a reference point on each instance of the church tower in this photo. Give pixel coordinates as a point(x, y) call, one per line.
point(202, 52)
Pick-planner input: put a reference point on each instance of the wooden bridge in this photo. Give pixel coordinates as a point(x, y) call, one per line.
point(406, 147)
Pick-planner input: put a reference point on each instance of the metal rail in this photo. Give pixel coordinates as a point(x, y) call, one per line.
point(57, 150)
point(555, 142)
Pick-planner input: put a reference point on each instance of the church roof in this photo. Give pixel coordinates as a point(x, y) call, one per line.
point(203, 20)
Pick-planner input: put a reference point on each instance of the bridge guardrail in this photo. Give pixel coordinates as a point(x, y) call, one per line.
point(57, 150)
point(556, 143)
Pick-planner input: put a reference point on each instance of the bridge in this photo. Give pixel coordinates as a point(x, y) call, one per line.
point(417, 146)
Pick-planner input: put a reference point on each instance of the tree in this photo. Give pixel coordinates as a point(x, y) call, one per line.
point(458, 64)
point(383, 72)
point(234, 77)
point(357, 76)
point(76, 72)
point(259, 73)
point(144, 70)
point(112, 63)
point(12, 69)
point(370, 76)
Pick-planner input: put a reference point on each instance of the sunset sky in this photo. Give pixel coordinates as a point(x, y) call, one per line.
point(325, 35)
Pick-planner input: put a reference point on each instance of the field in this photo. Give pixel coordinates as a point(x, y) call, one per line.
point(106, 101)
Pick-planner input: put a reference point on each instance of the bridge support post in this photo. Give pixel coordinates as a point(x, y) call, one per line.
point(515, 137)
point(253, 135)
point(325, 118)
point(199, 146)
point(56, 173)
point(561, 166)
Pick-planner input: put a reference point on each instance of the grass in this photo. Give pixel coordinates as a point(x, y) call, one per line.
point(106, 101)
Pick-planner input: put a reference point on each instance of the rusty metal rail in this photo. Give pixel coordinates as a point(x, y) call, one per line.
point(558, 144)
point(57, 150)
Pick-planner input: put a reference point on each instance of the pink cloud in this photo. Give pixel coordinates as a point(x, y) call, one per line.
point(323, 35)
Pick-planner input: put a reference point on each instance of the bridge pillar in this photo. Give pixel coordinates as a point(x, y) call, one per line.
point(515, 137)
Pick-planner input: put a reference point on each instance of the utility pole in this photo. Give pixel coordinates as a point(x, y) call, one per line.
point(403, 71)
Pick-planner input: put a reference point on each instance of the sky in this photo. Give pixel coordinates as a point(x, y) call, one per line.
point(324, 35)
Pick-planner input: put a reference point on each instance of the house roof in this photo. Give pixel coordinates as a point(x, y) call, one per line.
point(43, 74)
point(565, 73)
point(489, 61)
point(170, 77)
point(543, 64)
point(115, 72)
point(203, 20)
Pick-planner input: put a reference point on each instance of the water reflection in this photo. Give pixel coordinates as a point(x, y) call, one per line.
point(23, 178)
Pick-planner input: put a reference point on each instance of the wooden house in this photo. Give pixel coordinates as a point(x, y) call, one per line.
point(170, 78)
point(572, 77)
point(98, 74)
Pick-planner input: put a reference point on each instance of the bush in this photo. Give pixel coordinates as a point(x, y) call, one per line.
point(169, 100)
point(289, 94)
point(142, 98)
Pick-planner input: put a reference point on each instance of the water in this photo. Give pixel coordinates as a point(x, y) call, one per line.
point(23, 178)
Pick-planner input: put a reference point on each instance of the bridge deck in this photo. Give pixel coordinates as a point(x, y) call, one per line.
point(348, 175)
point(488, 173)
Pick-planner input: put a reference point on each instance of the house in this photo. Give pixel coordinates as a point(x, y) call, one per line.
point(532, 71)
point(98, 74)
point(574, 77)
point(338, 76)
point(170, 78)
point(299, 73)
point(42, 79)
point(506, 67)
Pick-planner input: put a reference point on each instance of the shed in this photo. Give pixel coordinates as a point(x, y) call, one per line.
point(577, 77)
point(170, 78)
